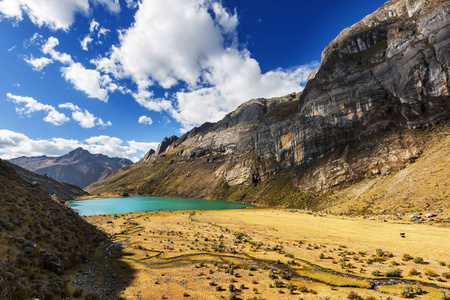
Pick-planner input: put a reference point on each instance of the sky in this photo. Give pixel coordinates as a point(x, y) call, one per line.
point(117, 76)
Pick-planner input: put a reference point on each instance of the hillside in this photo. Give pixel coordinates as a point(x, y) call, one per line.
point(40, 238)
point(60, 190)
point(362, 116)
point(78, 167)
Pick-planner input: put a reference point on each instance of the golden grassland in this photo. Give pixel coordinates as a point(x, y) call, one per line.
point(421, 186)
point(276, 254)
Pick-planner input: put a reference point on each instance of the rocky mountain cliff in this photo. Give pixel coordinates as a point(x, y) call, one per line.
point(40, 238)
point(381, 82)
point(78, 167)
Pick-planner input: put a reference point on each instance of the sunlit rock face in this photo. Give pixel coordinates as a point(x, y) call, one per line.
point(385, 74)
point(388, 71)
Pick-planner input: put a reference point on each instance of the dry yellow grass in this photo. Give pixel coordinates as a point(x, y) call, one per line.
point(174, 253)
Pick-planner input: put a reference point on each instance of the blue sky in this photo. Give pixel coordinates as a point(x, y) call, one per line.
point(117, 76)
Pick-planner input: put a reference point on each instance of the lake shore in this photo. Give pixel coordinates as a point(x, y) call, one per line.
point(272, 253)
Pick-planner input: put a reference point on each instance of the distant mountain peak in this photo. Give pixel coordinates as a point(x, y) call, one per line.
point(79, 166)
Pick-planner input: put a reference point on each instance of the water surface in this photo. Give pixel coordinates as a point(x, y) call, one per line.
point(106, 206)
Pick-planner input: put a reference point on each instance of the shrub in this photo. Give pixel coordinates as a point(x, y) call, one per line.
point(418, 290)
point(91, 296)
point(232, 296)
point(393, 273)
point(442, 263)
point(231, 288)
point(419, 260)
point(186, 294)
point(321, 256)
point(77, 293)
point(446, 275)
point(353, 296)
point(407, 292)
point(413, 272)
point(445, 295)
point(376, 273)
point(430, 273)
point(371, 298)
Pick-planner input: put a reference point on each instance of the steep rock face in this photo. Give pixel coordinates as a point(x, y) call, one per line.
point(378, 81)
point(388, 71)
point(78, 167)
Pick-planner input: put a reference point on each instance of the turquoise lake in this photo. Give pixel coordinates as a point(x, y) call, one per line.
point(107, 206)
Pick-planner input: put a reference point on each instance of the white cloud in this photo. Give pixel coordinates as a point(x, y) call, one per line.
point(193, 44)
point(14, 144)
point(85, 42)
point(30, 106)
point(145, 120)
point(49, 48)
point(94, 26)
point(12, 48)
point(112, 5)
point(55, 14)
point(84, 118)
point(132, 3)
point(88, 81)
point(38, 63)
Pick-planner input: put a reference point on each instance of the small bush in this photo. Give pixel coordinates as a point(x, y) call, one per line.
point(413, 272)
point(376, 273)
point(371, 298)
point(353, 296)
point(91, 296)
point(446, 275)
point(407, 257)
point(445, 295)
point(419, 260)
point(407, 292)
point(418, 290)
point(442, 263)
point(77, 293)
point(430, 273)
point(393, 273)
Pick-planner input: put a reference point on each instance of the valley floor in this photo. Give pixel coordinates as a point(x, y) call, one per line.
point(268, 254)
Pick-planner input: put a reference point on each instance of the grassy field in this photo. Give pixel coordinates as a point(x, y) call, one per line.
point(277, 254)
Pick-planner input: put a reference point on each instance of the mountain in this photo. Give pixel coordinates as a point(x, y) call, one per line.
point(60, 190)
point(40, 238)
point(377, 103)
point(78, 167)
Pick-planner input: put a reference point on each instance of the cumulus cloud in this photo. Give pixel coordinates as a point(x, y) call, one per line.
point(28, 105)
point(14, 144)
point(84, 117)
point(55, 14)
point(145, 120)
point(192, 45)
point(88, 81)
point(38, 63)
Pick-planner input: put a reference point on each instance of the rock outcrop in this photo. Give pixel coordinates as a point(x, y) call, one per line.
point(378, 81)
point(78, 167)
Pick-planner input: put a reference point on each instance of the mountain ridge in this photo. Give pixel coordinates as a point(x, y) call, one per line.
point(381, 82)
point(78, 167)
